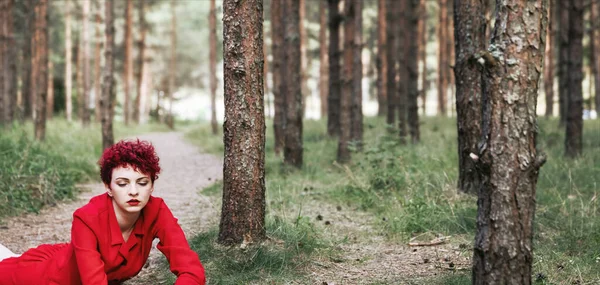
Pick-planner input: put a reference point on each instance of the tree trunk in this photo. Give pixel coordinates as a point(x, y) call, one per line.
point(292, 151)
point(41, 56)
point(392, 58)
point(137, 107)
point(266, 74)
point(508, 160)
point(381, 60)
point(33, 89)
point(402, 51)
point(449, 67)
point(97, 61)
point(243, 210)
point(423, 53)
point(346, 98)
point(68, 62)
point(442, 81)
point(128, 62)
point(594, 49)
point(108, 81)
point(50, 91)
point(303, 57)
point(278, 31)
point(8, 55)
point(333, 99)
point(85, 44)
point(574, 130)
point(356, 115)
point(173, 66)
point(79, 76)
point(27, 68)
point(212, 22)
point(412, 67)
point(563, 60)
point(4, 100)
point(323, 59)
point(470, 41)
point(549, 63)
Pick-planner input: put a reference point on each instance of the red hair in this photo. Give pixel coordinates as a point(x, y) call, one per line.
point(140, 155)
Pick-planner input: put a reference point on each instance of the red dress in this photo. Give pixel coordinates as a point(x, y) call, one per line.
point(98, 253)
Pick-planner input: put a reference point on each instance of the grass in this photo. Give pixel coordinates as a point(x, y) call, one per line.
point(36, 174)
point(411, 189)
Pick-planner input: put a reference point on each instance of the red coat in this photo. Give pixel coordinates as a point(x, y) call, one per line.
point(98, 254)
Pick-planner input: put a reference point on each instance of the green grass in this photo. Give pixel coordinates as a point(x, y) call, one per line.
point(411, 189)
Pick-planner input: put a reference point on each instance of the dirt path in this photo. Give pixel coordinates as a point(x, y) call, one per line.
point(184, 171)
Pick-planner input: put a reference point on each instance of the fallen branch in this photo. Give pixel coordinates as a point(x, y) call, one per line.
point(435, 241)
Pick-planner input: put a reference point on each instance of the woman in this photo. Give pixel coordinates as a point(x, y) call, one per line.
point(112, 235)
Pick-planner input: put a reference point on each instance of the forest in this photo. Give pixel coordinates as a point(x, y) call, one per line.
point(317, 141)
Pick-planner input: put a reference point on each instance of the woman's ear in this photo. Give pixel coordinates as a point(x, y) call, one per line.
point(108, 190)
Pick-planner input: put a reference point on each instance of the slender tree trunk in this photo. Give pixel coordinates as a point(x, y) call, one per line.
point(97, 61)
point(128, 62)
point(8, 55)
point(392, 58)
point(422, 34)
point(574, 130)
point(412, 67)
point(549, 63)
point(381, 60)
point(79, 76)
point(563, 61)
point(41, 55)
point(509, 161)
point(26, 69)
point(403, 52)
point(68, 63)
point(108, 96)
point(356, 115)
point(333, 99)
point(278, 32)
point(323, 59)
point(173, 65)
point(85, 44)
point(293, 149)
point(303, 57)
point(243, 210)
point(212, 22)
point(595, 48)
point(266, 74)
point(12, 52)
point(449, 69)
point(50, 91)
point(442, 82)
point(4, 100)
point(33, 89)
point(470, 41)
point(137, 107)
point(345, 135)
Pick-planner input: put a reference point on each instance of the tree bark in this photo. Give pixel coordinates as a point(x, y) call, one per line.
point(470, 42)
point(381, 60)
point(574, 130)
point(108, 81)
point(594, 49)
point(85, 44)
point(508, 160)
point(563, 60)
point(412, 68)
point(423, 32)
point(356, 115)
point(4, 100)
point(137, 107)
point(68, 63)
point(392, 58)
point(50, 91)
point(97, 62)
point(303, 58)
point(128, 62)
point(27, 95)
point(8, 55)
point(41, 59)
point(292, 151)
point(173, 66)
point(243, 210)
point(549, 63)
point(212, 23)
point(323, 59)
point(333, 99)
point(402, 49)
point(278, 31)
point(442, 81)
point(449, 69)
point(345, 135)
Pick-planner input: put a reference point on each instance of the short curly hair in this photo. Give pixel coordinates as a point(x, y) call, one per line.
point(138, 154)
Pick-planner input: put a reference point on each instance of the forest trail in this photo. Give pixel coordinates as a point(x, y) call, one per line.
point(184, 172)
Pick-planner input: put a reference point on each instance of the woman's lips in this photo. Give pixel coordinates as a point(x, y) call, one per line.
point(133, 202)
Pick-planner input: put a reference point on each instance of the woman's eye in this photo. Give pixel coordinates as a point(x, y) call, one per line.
point(143, 183)
point(122, 185)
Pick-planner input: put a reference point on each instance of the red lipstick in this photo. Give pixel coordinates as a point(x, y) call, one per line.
point(133, 202)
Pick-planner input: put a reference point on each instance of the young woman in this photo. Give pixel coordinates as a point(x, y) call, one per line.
point(112, 235)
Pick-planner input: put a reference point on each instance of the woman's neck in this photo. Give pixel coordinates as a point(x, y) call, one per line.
point(125, 220)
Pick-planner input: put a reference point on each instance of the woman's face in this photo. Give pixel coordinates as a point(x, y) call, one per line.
point(130, 189)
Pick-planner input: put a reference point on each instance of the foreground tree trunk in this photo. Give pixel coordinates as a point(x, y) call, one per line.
point(381, 60)
point(549, 63)
point(128, 62)
point(356, 114)
point(107, 99)
point(243, 210)
point(41, 59)
point(470, 40)
point(212, 23)
point(323, 59)
point(68, 63)
point(412, 70)
point(563, 60)
point(343, 154)
point(333, 100)
point(508, 159)
point(574, 130)
point(278, 32)
point(292, 151)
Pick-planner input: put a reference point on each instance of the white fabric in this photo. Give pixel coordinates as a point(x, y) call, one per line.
point(6, 253)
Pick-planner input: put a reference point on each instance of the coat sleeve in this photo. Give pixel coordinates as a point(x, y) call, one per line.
point(183, 261)
point(89, 262)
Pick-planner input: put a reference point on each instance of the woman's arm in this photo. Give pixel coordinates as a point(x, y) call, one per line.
point(183, 261)
point(89, 262)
